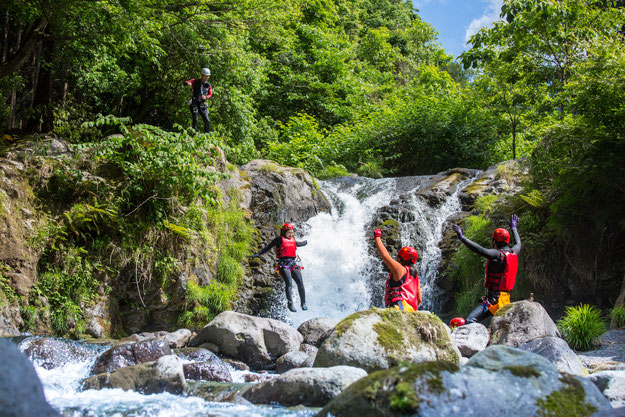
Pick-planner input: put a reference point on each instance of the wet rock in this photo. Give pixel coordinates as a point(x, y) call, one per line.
point(50, 353)
point(21, 391)
point(295, 359)
point(313, 330)
point(440, 389)
point(558, 352)
point(218, 391)
point(130, 354)
point(381, 338)
point(312, 387)
point(196, 355)
point(612, 385)
point(207, 371)
point(255, 340)
point(470, 338)
point(610, 355)
point(164, 375)
point(238, 365)
point(519, 323)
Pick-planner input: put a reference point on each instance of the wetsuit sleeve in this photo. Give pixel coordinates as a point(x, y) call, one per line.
point(474, 247)
point(210, 92)
point(302, 243)
point(189, 81)
point(277, 241)
point(517, 241)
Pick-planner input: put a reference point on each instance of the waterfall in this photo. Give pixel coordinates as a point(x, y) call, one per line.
point(342, 272)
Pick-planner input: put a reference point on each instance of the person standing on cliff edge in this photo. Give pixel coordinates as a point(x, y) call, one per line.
point(201, 91)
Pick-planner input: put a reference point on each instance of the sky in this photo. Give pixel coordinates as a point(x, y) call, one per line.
point(456, 20)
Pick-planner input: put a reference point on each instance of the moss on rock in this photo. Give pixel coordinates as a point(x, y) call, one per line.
point(569, 401)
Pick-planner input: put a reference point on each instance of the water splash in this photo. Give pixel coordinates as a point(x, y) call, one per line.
point(342, 273)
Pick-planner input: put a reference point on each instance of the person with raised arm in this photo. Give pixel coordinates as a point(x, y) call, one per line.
point(402, 291)
point(501, 269)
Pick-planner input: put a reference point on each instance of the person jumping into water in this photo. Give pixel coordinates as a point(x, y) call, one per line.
point(403, 291)
point(501, 269)
point(287, 267)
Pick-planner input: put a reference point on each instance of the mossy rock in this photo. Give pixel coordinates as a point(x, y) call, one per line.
point(381, 338)
point(481, 387)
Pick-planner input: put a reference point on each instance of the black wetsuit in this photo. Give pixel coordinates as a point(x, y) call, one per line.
point(197, 105)
point(288, 269)
point(481, 312)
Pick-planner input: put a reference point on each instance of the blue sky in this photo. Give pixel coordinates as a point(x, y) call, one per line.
point(457, 20)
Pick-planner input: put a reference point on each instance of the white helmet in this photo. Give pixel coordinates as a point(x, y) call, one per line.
point(206, 71)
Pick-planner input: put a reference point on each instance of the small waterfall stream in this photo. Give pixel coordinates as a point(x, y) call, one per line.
point(342, 273)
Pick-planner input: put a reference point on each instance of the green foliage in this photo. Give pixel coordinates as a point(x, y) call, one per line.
point(581, 326)
point(485, 204)
point(370, 169)
point(617, 317)
point(332, 171)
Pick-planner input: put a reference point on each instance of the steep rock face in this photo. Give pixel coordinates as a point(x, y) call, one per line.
point(273, 195)
point(381, 338)
point(19, 220)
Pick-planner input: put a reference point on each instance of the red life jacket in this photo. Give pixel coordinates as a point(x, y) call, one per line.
point(406, 289)
point(287, 248)
point(500, 276)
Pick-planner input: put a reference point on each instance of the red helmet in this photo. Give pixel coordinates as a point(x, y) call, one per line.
point(287, 226)
point(501, 235)
point(408, 254)
point(456, 322)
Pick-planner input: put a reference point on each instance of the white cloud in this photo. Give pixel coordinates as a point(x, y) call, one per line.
point(491, 15)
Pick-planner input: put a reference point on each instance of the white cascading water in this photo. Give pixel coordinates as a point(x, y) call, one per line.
point(62, 390)
point(340, 266)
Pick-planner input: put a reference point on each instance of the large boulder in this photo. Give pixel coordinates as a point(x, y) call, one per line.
point(609, 355)
point(470, 338)
point(312, 387)
point(558, 352)
point(500, 380)
point(130, 354)
point(381, 338)
point(316, 329)
point(256, 341)
point(518, 323)
point(612, 385)
point(164, 375)
point(21, 393)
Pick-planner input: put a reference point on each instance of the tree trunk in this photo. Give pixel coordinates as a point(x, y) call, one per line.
point(24, 51)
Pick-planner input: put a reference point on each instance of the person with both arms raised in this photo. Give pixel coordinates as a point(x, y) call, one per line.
point(501, 269)
point(402, 291)
point(286, 247)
